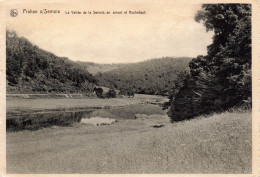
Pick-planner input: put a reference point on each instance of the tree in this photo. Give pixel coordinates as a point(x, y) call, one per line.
point(231, 24)
point(111, 93)
point(99, 92)
point(228, 62)
point(177, 85)
point(130, 93)
point(221, 79)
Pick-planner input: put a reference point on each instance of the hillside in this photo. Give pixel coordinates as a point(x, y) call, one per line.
point(154, 76)
point(30, 69)
point(95, 68)
point(33, 70)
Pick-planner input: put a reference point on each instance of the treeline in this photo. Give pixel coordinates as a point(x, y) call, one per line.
point(154, 76)
point(222, 79)
point(30, 69)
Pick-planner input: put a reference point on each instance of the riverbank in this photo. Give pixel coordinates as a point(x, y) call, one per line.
point(21, 105)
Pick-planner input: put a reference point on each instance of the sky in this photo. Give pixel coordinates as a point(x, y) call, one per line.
point(166, 30)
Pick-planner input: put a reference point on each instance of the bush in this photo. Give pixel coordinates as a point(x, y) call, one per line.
point(99, 92)
point(111, 93)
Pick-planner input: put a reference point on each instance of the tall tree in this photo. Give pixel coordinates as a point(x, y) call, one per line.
point(222, 78)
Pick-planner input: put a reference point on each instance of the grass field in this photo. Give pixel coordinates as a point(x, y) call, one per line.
point(217, 144)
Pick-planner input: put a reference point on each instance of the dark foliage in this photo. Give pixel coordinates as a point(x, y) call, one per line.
point(149, 77)
point(99, 92)
point(30, 69)
point(129, 93)
point(111, 93)
point(222, 79)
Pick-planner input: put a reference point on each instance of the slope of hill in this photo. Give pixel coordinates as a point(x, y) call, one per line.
point(154, 76)
point(95, 68)
point(30, 69)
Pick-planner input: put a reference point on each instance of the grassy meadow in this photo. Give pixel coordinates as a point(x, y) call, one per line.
point(220, 143)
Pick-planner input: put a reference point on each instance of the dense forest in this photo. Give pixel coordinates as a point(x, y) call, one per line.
point(30, 69)
point(221, 80)
point(155, 76)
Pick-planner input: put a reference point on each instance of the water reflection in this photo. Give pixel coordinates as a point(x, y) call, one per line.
point(35, 121)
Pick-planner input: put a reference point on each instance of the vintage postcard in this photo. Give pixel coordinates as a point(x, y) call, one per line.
point(129, 87)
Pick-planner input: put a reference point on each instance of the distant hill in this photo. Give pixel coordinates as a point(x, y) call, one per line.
point(155, 76)
point(95, 68)
point(30, 69)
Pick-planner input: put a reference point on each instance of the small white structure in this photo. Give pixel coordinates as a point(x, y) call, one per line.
point(98, 121)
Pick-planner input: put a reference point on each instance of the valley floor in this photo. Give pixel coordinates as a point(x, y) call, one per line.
point(20, 105)
point(217, 144)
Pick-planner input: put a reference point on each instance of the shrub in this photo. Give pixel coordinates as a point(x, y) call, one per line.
point(111, 93)
point(99, 92)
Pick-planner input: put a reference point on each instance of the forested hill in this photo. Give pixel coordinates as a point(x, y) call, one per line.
point(30, 69)
point(154, 76)
point(95, 68)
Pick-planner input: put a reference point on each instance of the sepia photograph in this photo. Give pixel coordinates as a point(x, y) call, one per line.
point(140, 87)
